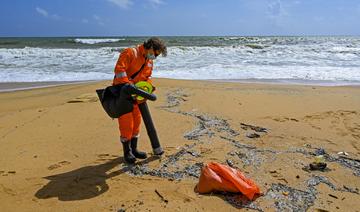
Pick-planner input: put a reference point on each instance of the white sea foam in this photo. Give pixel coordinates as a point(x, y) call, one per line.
point(323, 62)
point(97, 40)
point(274, 62)
point(37, 64)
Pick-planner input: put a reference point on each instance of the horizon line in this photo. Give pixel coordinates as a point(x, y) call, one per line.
point(113, 36)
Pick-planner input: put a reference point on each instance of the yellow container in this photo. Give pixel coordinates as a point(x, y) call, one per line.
point(319, 159)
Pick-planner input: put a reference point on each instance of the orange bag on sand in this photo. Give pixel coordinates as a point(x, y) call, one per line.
point(218, 177)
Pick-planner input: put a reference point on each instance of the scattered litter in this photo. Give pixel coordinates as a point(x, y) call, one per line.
point(351, 190)
point(319, 209)
point(317, 166)
point(198, 132)
point(320, 151)
point(240, 201)
point(217, 177)
point(161, 196)
point(208, 126)
point(351, 163)
point(172, 159)
point(333, 196)
point(316, 180)
point(294, 200)
point(307, 145)
point(319, 159)
point(297, 200)
point(193, 153)
point(255, 128)
point(252, 135)
point(343, 153)
point(163, 172)
point(230, 163)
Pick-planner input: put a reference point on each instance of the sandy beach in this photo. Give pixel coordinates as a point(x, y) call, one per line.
point(60, 152)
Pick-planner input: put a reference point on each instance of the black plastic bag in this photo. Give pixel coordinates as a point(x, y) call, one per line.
point(115, 100)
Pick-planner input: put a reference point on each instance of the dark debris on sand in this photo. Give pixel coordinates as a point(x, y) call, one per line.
point(175, 98)
point(350, 163)
point(208, 126)
point(188, 171)
point(174, 167)
point(252, 127)
point(169, 168)
point(240, 201)
point(297, 200)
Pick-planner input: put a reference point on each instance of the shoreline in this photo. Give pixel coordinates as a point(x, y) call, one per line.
point(21, 86)
point(290, 82)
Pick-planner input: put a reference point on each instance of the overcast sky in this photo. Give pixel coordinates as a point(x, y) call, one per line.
point(178, 17)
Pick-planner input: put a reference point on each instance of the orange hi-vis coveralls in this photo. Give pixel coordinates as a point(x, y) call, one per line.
point(130, 61)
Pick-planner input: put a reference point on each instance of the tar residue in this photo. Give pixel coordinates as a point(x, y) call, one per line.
point(177, 166)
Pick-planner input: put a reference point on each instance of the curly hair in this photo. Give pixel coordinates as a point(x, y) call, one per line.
point(156, 44)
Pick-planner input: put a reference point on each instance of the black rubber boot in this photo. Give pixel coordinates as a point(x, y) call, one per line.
point(128, 155)
point(136, 153)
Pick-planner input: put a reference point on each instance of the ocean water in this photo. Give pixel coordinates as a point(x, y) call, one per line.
point(312, 60)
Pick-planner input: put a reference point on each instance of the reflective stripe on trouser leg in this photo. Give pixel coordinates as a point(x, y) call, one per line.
point(122, 139)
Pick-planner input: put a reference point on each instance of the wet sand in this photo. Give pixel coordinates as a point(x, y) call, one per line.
point(60, 152)
point(17, 86)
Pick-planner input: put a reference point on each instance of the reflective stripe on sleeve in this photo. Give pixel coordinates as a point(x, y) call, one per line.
point(121, 75)
point(135, 52)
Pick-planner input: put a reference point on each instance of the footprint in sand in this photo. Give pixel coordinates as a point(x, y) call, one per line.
point(58, 165)
point(84, 98)
point(283, 119)
point(343, 122)
point(205, 151)
point(278, 176)
point(7, 190)
point(106, 157)
point(64, 162)
point(7, 173)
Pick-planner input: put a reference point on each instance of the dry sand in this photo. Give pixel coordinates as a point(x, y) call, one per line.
point(60, 152)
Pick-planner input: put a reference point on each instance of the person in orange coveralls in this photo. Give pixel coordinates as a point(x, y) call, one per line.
point(134, 65)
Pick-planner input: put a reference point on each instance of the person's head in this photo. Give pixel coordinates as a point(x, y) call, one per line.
point(154, 47)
